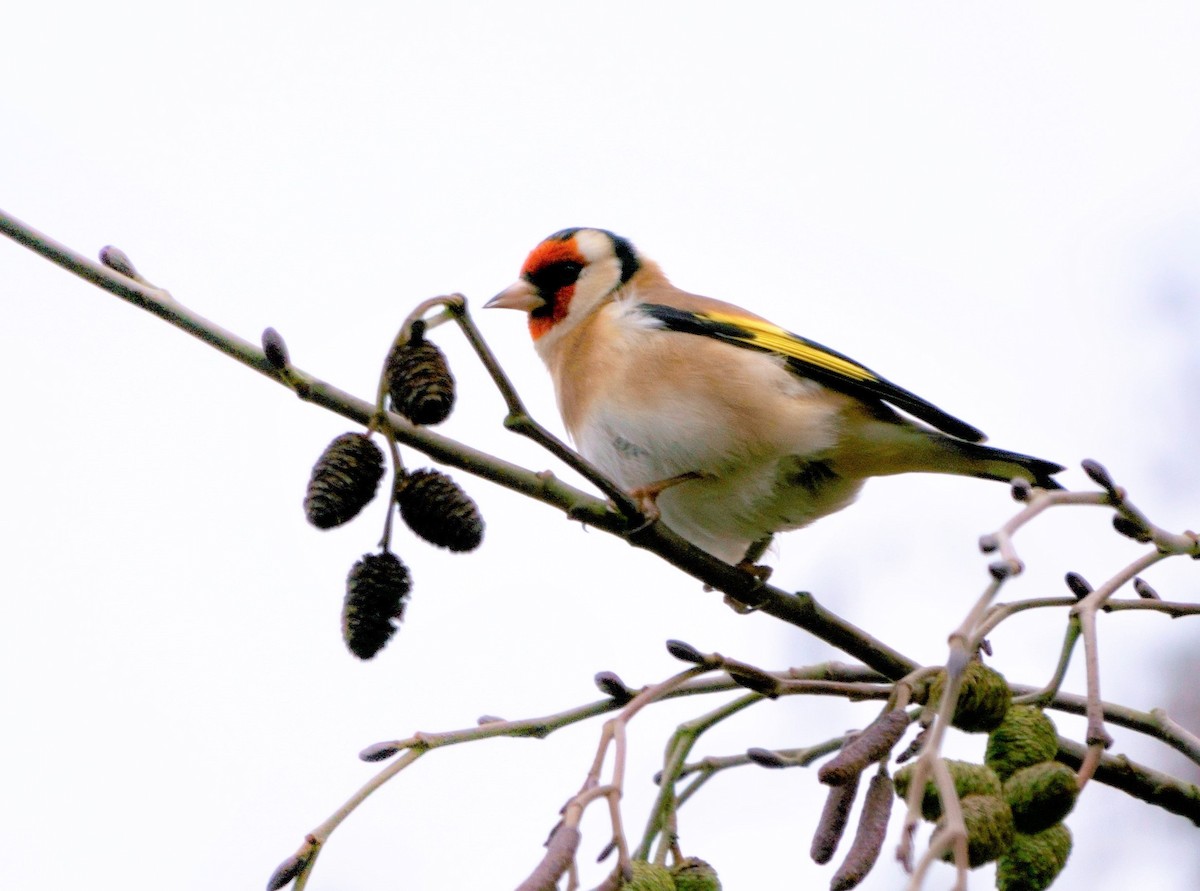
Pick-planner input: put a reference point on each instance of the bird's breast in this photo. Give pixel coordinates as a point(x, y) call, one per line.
point(646, 405)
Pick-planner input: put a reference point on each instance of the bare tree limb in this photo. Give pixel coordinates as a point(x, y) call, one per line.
point(800, 609)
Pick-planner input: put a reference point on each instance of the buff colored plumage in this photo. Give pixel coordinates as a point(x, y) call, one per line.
point(734, 429)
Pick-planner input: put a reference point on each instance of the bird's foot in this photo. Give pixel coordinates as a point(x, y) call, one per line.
point(646, 497)
point(760, 574)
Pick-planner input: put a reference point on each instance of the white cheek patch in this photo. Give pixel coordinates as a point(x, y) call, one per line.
point(593, 245)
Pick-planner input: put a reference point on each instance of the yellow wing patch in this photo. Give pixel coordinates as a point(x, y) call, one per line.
point(778, 340)
point(805, 358)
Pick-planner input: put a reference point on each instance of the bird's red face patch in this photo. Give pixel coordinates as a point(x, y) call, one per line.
point(552, 267)
point(549, 252)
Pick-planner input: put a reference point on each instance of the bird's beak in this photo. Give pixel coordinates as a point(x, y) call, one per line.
point(519, 295)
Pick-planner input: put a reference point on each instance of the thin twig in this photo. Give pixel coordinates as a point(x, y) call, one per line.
point(521, 421)
point(680, 744)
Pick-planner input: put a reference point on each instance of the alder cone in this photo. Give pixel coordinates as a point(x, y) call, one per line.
point(376, 591)
point(694, 874)
point(983, 700)
point(649, 877)
point(343, 480)
point(990, 828)
point(969, 779)
point(1041, 795)
point(436, 508)
point(1033, 862)
point(419, 382)
point(1027, 736)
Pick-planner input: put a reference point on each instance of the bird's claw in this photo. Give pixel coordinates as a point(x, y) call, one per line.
point(760, 574)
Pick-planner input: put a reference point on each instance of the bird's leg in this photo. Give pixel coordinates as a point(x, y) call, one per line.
point(759, 572)
point(647, 496)
point(750, 558)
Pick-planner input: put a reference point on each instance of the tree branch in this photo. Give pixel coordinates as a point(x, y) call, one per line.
point(800, 610)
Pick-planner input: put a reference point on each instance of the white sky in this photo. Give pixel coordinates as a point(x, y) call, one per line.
point(998, 208)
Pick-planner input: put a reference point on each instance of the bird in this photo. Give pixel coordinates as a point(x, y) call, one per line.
point(727, 427)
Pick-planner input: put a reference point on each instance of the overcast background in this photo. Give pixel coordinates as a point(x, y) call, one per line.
point(997, 208)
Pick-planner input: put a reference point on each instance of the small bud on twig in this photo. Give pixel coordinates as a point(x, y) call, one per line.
point(1143, 589)
point(766, 758)
point(290, 868)
point(612, 686)
point(379, 751)
point(275, 349)
point(988, 543)
point(915, 746)
point(1021, 489)
point(685, 652)
point(116, 259)
point(1131, 528)
point(1002, 569)
point(1095, 470)
point(755, 679)
point(1078, 585)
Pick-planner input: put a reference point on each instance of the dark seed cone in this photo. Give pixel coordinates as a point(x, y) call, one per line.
point(343, 480)
point(438, 510)
point(419, 382)
point(376, 591)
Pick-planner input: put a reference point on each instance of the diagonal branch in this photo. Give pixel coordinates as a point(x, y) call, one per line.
point(800, 610)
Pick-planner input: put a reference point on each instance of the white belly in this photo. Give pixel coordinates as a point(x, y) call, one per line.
point(750, 488)
point(655, 405)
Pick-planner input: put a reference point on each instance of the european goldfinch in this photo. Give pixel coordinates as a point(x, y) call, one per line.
point(731, 428)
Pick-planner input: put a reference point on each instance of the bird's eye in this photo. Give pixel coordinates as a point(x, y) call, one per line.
point(554, 276)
